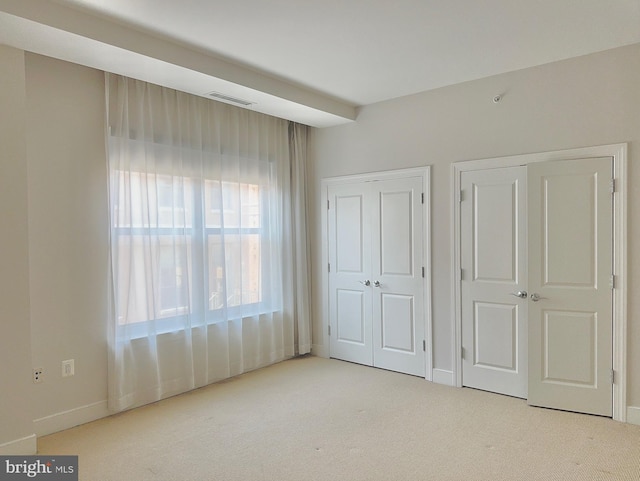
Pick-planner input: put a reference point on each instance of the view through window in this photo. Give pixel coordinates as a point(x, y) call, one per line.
point(174, 231)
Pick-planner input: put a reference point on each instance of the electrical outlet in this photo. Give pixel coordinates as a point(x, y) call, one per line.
point(37, 374)
point(68, 368)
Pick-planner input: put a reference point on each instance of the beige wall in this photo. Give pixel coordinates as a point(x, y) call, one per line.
point(586, 101)
point(15, 345)
point(53, 207)
point(68, 232)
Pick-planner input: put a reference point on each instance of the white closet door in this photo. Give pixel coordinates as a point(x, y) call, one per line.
point(494, 258)
point(350, 272)
point(570, 266)
point(397, 282)
point(376, 288)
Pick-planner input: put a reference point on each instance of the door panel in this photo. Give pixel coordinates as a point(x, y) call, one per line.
point(351, 320)
point(398, 301)
point(569, 253)
point(396, 231)
point(570, 264)
point(493, 217)
point(349, 251)
point(349, 225)
point(495, 336)
point(398, 323)
point(495, 206)
point(575, 329)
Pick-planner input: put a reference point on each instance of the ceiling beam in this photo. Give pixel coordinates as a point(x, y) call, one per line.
point(73, 35)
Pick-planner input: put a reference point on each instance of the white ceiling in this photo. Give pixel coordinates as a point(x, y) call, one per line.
point(315, 60)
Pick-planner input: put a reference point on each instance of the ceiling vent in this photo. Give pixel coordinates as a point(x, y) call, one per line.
point(228, 98)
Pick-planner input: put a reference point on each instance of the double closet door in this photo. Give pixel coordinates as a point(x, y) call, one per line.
point(536, 283)
point(376, 273)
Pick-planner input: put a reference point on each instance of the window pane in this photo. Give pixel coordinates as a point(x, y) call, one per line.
point(250, 202)
point(213, 203)
point(240, 283)
point(153, 200)
point(232, 205)
point(216, 272)
point(153, 277)
point(173, 281)
point(251, 269)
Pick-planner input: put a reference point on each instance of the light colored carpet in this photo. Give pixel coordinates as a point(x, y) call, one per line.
point(319, 419)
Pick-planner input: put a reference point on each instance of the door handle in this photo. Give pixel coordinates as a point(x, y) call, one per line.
point(535, 297)
point(376, 284)
point(365, 282)
point(520, 294)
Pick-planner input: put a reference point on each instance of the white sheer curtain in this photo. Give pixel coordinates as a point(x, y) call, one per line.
point(209, 253)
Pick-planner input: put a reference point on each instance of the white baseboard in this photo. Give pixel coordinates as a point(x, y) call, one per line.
point(441, 376)
point(25, 446)
point(633, 415)
point(320, 350)
point(68, 419)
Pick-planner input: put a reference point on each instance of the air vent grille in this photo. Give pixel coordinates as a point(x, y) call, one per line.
point(229, 98)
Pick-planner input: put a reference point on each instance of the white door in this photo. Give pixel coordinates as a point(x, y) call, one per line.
point(397, 277)
point(376, 288)
point(350, 309)
point(494, 318)
point(570, 266)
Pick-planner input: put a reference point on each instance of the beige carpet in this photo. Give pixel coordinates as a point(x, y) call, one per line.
point(318, 419)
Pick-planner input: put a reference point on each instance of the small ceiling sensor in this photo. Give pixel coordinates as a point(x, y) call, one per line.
point(497, 99)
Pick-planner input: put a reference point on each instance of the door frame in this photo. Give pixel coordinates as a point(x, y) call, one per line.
point(618, 152)
point(424, 172)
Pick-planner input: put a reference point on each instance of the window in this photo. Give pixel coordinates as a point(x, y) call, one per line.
point(176, 230)
point(205, 202)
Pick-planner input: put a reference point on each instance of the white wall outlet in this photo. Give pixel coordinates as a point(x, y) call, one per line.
point(68, 368)
point(37, 374)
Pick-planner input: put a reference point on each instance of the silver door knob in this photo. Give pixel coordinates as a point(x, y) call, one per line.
point(535, 297)
point(376, 284)
point(520, 294)
point(365, 282)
